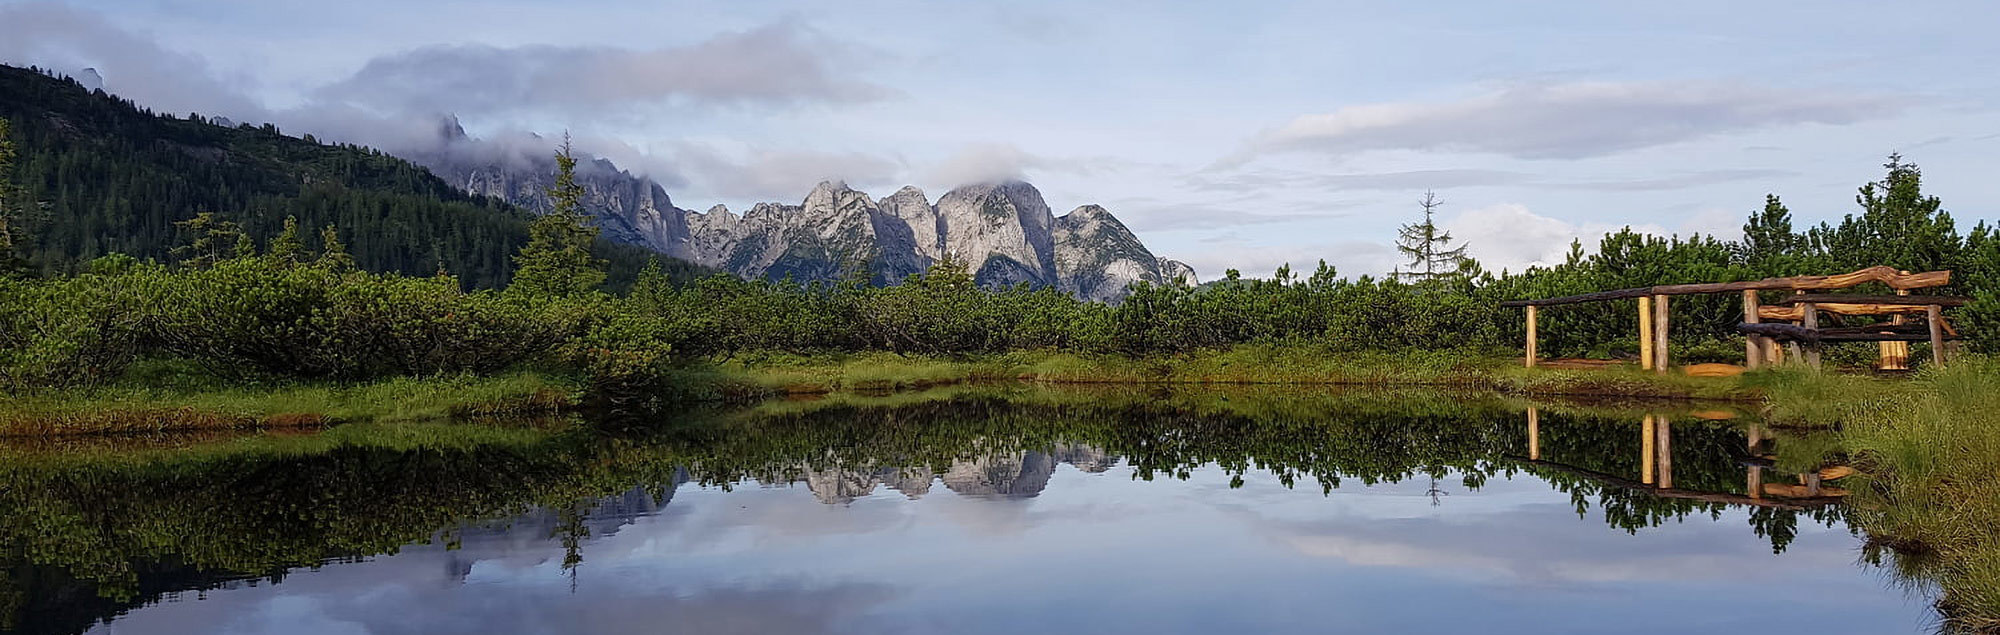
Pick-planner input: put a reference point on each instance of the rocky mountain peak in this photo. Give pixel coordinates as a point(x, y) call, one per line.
point(449, 129)
point(1004, 231)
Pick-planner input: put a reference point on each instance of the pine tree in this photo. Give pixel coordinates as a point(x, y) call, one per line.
point(332, 253)
point(1428, 247)
point(245, 247)
point(1899, 226)
point(557, 260)
point(1770, 247)
point(212, 239)
point(286, 248)
point(8, 202)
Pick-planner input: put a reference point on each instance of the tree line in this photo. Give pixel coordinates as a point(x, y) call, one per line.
point(302, 303)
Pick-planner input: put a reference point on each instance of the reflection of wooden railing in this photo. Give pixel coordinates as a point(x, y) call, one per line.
point(1656, 471)
point(1828, 495)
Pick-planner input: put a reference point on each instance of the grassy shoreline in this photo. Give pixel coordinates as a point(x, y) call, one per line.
point(168, 399)
point(1927, 450)
point(158, 400)
point(1248, 365)
point(146, 407)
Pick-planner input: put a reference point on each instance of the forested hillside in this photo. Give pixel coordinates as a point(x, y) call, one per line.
point(101, 175)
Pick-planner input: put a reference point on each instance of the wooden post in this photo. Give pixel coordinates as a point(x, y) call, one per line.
point(1753, 346)
point(1531, 336)
point(1534, 434)
point(1661, 328)
point(1646, 451)
point(1665, 428)
point(1809, 318)
point(1935, 315)
point(1646, 333)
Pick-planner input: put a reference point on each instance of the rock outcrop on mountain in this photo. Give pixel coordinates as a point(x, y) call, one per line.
point(628, 208)
point(1004, 232)
point(1097, 257)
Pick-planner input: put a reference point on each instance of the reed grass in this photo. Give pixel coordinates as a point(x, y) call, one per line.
point(1928, 451)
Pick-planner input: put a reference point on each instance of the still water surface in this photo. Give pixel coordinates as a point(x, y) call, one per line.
point(974, 512)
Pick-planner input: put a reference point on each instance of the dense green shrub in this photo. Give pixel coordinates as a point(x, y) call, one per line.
point(259, 315)
point(75, 330)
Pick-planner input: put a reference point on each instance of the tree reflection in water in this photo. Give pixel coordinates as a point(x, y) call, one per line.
point(94, 531)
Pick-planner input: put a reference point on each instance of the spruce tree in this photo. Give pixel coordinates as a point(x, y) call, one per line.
point(211, 239)
point(1428, 247)
point(8, 204)
point(1899, 226)
point(557, 260)
point(332, 253)
point(1770, 247)
point(286, 249)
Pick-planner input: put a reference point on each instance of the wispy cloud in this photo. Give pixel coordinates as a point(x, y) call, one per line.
point(69, 40)
point(781, 63)
point(1157, 215)
point(767, 174)
point(1567, 121)
point(1675, 182)
point(1253, 181)
point(1267, 179)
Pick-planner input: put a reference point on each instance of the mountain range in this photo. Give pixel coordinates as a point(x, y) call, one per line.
point(111, 176)
point(1004, 232)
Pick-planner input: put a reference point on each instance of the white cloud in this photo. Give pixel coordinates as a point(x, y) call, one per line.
point(983, 163)
point(1568, 121)
point(1510, 236)
point(775, 64)
point(68, 41)
point(778, 175)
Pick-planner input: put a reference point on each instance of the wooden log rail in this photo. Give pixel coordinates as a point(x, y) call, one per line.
point(1899, 300)
point(1885, 275)
point(1872, 333)
point(1798, 312)
point(1761, 345)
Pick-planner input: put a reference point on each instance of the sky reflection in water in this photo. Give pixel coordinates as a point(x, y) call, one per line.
point(1085, 551)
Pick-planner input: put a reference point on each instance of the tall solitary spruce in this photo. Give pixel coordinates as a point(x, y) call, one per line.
point(557, 261)
point(1428, 248)
point(7, 197)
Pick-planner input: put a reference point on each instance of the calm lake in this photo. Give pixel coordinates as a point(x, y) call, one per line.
point(992, 509)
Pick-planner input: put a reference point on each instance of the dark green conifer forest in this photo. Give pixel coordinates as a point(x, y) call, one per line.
point(97, 175)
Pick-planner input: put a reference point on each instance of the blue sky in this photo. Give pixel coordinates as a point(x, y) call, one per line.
point(1226, 134)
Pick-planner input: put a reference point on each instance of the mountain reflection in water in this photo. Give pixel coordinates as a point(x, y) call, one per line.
point(1109, 511)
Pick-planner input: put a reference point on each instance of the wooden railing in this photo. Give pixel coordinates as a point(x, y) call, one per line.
point(1761, 341)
